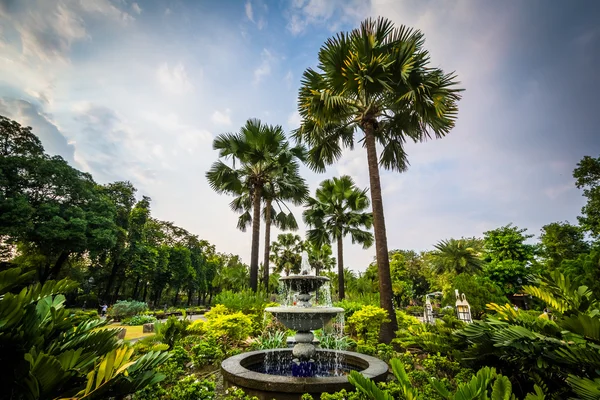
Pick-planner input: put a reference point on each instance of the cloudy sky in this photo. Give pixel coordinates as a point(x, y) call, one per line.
point(137, 91)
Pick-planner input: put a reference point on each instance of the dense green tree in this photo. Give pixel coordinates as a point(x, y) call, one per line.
point(376, 79)
point(584, 270)
point(337, 210)
point(458, 256)
point(561, 241)
point(286, 253)
point(507, 243)
point(122, 195)
point(587, 175)
point(258, 152)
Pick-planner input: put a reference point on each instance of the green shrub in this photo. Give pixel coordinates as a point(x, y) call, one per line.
point(405, 320)
point(198, 327)
point(138, 320)
point(190, 388)
point(232, 328)
point(366, 323)
point(172, 330)
point(207, 352)
point(250, 303)
point(123, 309)
point(350, 307)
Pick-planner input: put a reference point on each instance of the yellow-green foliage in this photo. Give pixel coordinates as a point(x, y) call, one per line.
point(217, 311)
point(405, 320)
point(366, 323)
point(198, 327)
point(233, 327)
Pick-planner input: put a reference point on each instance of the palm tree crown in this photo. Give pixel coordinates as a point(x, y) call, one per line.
point(458, 256)
point(376, 79)
point(338, 209)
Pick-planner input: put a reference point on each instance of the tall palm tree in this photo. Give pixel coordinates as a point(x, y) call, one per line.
point(285, 185)
point(258, 152)
point(319, 257)
point(458, 256)
point(286, 253)
point(338, 209)
point(376, 79)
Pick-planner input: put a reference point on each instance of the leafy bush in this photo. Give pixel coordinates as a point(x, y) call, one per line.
point(190, 388)
point(232, 328)
point(123, 309)
point(249, 303)
point(218, 311)
point(405, 320)
point(366, 323)
point(198, 327)
point(207, 352)
point(138, 320)
point(333, 342)
point(350, 307)
point(172, 330)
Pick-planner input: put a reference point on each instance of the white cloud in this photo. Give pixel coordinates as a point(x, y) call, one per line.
point(136, 8)
point(174, 80)
point(264, 69)
point(294, 120)
point(249, 11)
point(221, 118)
point(303, 13)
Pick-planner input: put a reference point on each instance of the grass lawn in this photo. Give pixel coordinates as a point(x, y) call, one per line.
point(133, 332)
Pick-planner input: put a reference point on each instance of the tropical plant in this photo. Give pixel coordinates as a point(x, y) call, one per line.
point(258, 153)
point(532, 349)
point(485, 384)
point(458, 256)
point(339, 209)
point(376, 78)
point(44, 355)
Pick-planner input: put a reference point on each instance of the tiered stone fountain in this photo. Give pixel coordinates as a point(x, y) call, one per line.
point(285, 374)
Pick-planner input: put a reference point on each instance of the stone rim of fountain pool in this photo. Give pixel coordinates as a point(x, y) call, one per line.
point(235, 371)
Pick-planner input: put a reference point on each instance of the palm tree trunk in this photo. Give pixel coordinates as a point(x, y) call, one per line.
point(267, 244)
point(255, 238)
point(383, 261)
point(340, 251)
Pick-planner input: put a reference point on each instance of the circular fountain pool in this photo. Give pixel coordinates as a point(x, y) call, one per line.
point(273, 380)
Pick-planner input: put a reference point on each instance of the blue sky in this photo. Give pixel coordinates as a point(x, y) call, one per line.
point(138, 90)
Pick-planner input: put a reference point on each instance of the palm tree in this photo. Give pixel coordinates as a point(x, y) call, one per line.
point(458, 256)
point(376, 79)
point(337, 210)
point(285, 185)
point(258, 153)
point(286, 253)
point(319, 257)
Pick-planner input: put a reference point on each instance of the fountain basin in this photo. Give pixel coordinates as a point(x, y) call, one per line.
point(304, 319)
point(245, 371)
